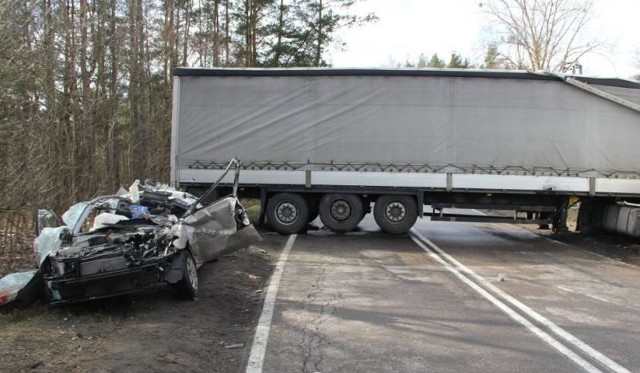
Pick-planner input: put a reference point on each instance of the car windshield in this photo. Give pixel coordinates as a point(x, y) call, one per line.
point(72, 217)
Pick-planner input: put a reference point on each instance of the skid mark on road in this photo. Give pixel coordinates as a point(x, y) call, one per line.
point(461, 271)
point(259, 347)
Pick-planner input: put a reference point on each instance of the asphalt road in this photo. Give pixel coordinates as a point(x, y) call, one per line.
point(449, 297)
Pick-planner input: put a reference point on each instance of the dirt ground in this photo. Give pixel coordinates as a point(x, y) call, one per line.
point(150, 332)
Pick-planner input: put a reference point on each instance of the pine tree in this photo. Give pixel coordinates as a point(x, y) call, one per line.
point(436, 62)
point(457, 62)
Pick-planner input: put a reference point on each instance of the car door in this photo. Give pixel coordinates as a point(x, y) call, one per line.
point(211, 228)
point(46, 218)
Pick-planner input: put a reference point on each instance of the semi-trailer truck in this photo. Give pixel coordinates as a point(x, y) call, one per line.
point(341, 143)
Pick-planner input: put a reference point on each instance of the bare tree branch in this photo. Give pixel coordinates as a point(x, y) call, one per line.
point(545, 33)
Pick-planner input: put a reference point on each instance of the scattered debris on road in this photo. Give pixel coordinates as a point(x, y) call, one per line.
point(234, 346)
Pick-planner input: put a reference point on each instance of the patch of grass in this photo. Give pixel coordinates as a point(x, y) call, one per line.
point(252, 206)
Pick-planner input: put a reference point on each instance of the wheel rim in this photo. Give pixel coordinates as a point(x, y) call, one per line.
point(192, 273)
point(287, 213)
point(395, 211)
point(340, 210)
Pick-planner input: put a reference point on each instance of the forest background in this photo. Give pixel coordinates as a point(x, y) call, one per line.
point(85, 98)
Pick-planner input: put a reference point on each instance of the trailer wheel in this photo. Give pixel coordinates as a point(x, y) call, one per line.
point(395, 213)
point(341, 212)
point(287, 213)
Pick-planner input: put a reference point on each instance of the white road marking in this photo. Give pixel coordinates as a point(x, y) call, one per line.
point(259, 347)
point(511, 313)
point(585, 348)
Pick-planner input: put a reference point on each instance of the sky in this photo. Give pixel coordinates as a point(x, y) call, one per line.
point(408, 28)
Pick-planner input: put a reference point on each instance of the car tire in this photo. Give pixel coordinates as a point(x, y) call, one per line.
point(395, 214)
point(287, 213)
point(341, 212)
point(188, 286)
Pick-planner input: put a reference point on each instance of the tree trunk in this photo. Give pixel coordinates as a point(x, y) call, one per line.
point(216, 33)
point(320, 36)
point(279, 32)
point(227, 35)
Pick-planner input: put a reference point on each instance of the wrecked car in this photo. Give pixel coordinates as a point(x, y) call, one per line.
point(147, 237)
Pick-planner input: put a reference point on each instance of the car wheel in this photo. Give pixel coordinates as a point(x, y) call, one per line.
point(287, 213)
point(341, 212)
point(188, 286)
point(395, 213)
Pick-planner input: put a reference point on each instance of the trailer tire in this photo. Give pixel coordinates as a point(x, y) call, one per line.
point(544, 215)
point(395, 214)
point(341, 212)
point(287, 213)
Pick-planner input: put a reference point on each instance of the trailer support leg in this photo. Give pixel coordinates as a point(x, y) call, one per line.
point(560, 217)
point(263, 206)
